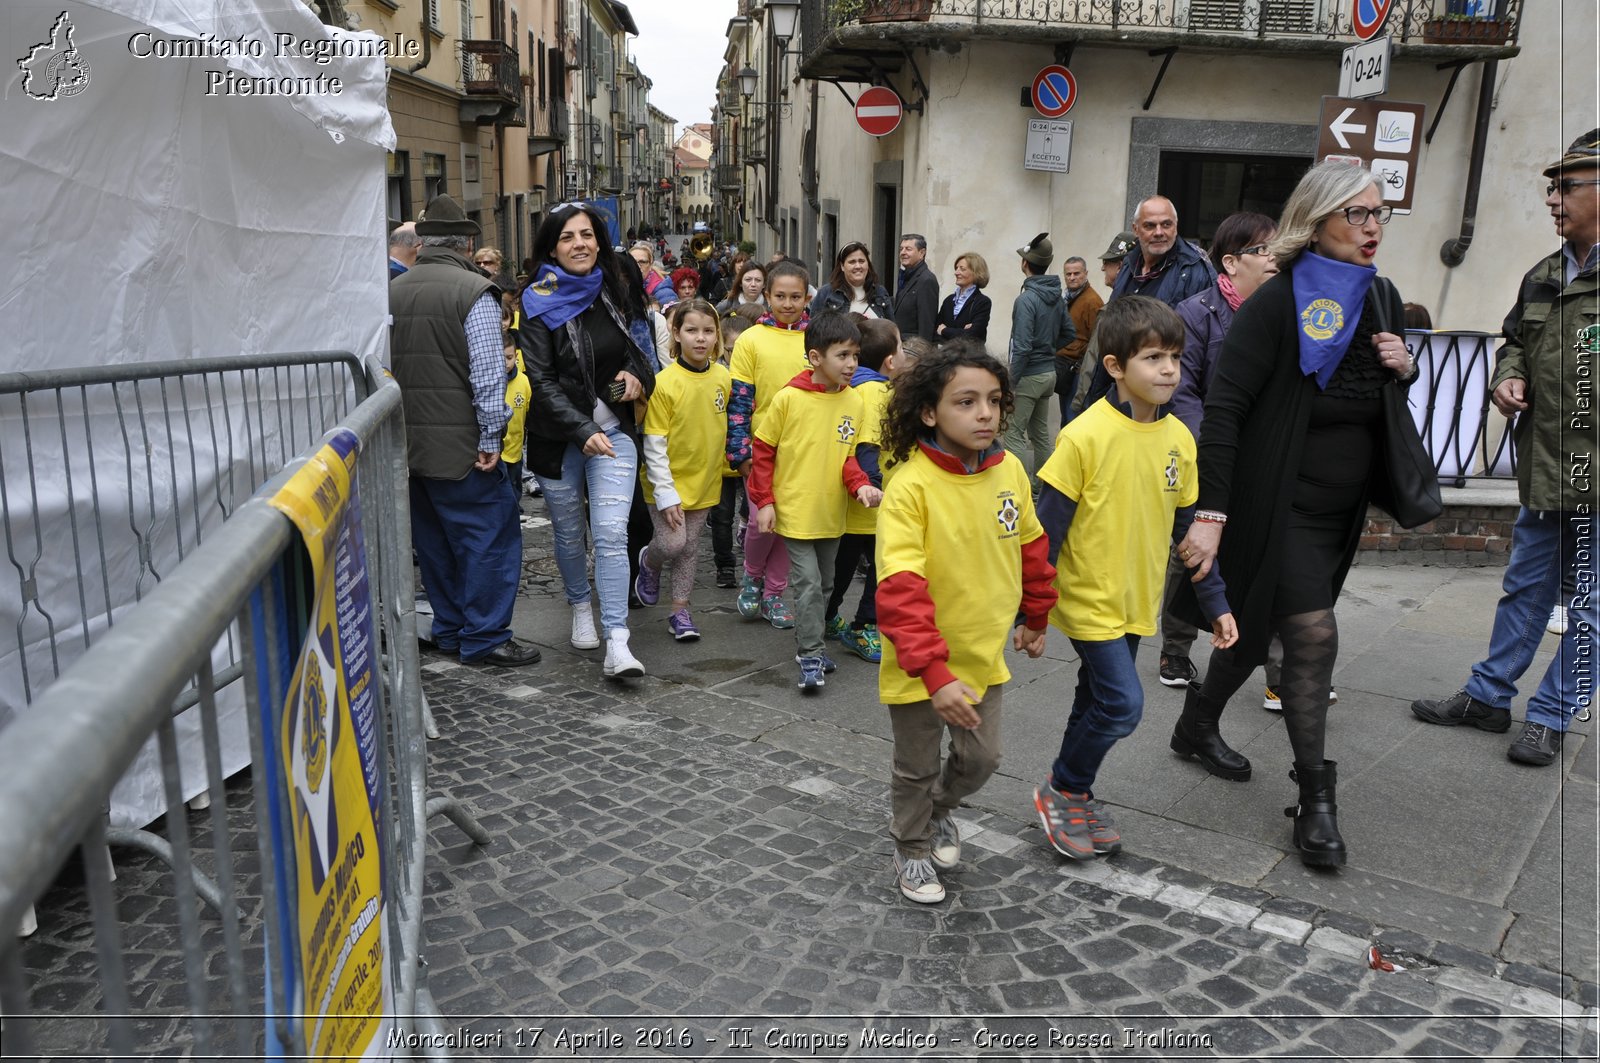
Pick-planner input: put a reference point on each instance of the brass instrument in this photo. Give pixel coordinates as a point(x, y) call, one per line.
point(701, 246)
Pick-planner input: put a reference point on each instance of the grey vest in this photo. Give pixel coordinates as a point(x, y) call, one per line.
point(428, 354)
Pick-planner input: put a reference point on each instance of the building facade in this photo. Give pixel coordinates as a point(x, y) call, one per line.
point(1214, 103)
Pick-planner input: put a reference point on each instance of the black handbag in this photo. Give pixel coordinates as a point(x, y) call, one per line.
point(1413, 497)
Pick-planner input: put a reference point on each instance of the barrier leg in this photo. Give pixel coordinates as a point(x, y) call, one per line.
point(161, 849)
point(456, 813)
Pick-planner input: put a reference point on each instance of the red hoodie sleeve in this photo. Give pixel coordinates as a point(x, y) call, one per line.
point(1038, 583)
point(763, 458)
point(855, 477)
point(905, 615)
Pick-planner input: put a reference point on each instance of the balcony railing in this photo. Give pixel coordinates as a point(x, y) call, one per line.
point(1450, 405)
point(1478, 23)
point(490, 68)
point(547, 126)
point(729, 179)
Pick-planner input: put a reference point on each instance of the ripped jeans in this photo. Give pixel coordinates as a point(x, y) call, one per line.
point(608, 483)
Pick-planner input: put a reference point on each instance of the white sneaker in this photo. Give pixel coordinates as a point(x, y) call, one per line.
point(1557, 624)
point(584, 636)
point(946, 844)
point(620, 663)
point(918, 880)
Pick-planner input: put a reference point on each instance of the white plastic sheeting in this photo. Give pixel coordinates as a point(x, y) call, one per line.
point(146, 214)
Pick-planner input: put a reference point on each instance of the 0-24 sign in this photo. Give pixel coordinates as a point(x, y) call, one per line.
point(1364, 69)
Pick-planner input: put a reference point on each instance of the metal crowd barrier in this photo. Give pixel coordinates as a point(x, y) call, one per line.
point(1461, 430)
point(61, 757)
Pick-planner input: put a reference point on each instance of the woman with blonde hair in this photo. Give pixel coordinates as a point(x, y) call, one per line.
point(966, 310)
point(1294, 444)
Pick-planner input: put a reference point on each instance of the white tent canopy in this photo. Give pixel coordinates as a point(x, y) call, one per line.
point(153, 211)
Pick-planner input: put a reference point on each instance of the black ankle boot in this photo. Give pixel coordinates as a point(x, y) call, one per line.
point(1316, 817)
point(1196, 735)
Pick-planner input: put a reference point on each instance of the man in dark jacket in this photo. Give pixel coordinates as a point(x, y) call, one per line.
point(1040, 324)
point(1544, 377)
point(916, 294)
point(448, 355)
point(1163, 266)
point(403, 244)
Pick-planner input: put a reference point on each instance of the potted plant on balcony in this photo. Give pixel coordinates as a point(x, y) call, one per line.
point(1465, 29)
point(883, 10)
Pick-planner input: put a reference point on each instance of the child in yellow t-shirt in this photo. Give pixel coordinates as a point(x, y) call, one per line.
point(880, 344)
point(960, 557)
point(763, 362)
point(804, 473)
point(733, 497)
point(1117, 493)
point(519, 392)
point(685, 430)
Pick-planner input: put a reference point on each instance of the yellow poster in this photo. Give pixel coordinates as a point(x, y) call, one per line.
point(328, 755)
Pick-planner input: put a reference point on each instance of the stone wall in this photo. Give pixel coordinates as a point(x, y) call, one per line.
point(1473, 531)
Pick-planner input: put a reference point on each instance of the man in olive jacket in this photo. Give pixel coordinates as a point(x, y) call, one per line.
point(447, 354)
point(1545, 378)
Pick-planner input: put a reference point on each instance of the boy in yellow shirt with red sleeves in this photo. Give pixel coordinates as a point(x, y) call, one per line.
point(804, 472)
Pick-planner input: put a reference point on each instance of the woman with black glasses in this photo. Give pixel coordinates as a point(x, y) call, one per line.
point(1292, 446)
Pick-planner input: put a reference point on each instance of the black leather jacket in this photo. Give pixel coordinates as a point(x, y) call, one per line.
point(830, 298)
point(560, 368)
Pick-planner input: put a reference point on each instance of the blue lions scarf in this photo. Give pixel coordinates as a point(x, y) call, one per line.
point(556, 296)
point(1328, 295)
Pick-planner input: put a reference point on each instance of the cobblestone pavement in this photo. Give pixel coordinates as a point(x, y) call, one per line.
point(684, 883)
point(678, 870)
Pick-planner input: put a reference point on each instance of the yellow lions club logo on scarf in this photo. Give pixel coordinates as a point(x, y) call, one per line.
point(1321, 319)
point(546, 284)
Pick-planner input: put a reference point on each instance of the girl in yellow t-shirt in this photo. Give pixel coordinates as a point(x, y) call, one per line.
point(685, 430)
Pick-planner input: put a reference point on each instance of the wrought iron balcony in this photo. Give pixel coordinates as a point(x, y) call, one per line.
point(492, 81)
point(729, 179)
point(490, 69)
point(839, 35)
point(547, 127)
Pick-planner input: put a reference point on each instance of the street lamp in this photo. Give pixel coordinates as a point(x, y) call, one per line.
point(747, 81)
point(785, 16)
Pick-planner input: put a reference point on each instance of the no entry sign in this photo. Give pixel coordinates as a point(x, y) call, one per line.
point(878, 111)
point(1055, 90)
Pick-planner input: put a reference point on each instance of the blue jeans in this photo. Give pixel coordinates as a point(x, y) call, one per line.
point(609, 485)
point(1107, 706)
point(1545, 545)
point(469, 548)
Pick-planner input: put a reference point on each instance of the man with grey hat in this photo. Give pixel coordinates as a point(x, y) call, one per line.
point(446, 352)
point(1111, 258)
point(1544, 377)
point(1040, 325)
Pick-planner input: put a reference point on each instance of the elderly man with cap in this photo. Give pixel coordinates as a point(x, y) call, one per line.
point(447, 355)
point(1544, 377)
point(1040, 325)
point(1111, 258)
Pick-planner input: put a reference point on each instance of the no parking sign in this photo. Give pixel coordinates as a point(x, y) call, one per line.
point(1055, 90)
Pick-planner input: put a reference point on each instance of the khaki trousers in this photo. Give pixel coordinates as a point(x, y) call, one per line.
point(921, 789)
